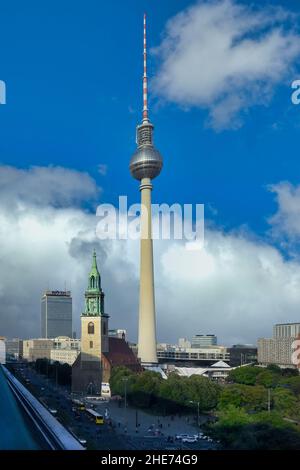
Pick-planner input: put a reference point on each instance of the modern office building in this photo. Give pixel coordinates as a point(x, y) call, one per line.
point(56, 314)
point(201, 341)
point(275, 351)
point(241, 354)
point(280, 349)
point(286, 330)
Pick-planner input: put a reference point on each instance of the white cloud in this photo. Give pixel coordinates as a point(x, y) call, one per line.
point(237, 288)
point(286, 221)
point(225, 57)
point(45, 185)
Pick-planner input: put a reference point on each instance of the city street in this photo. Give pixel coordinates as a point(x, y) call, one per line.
point(124, 428)
point(141, 429)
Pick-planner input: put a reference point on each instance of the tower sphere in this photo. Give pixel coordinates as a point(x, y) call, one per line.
point(146, 162)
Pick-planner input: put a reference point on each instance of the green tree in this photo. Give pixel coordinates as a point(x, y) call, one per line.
point(285, 402)
point(252, 398)
point(244, 375)
point(268, 378)
point(203, 391)
point(292, 383)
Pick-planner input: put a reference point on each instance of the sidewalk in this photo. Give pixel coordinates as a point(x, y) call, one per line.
point(126, 421)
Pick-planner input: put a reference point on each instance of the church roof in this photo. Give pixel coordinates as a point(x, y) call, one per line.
point(120, 354)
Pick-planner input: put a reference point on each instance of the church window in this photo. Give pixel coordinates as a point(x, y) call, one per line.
point(91, 328)
point(91, 344)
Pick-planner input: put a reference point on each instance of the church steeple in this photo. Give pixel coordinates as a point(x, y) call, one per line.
point(94, 282)
point(94, 296)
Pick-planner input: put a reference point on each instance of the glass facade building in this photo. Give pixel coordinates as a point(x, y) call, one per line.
point(56, 314)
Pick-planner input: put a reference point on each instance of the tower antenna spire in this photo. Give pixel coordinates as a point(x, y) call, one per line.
point(145, 78)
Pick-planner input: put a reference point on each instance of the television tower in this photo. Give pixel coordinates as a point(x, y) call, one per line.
point(145, 164)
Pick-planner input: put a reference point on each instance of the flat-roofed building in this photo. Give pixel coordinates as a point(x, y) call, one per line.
point(34, 349)
point(275, 351)
point(14, 348)
point(188, 355)
point(202, 341)
point(65, 350)
point(286, 330)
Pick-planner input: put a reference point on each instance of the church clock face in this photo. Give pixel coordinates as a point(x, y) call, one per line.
point(93, 305)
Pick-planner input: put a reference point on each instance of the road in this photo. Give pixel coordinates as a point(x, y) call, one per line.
point(120, 431)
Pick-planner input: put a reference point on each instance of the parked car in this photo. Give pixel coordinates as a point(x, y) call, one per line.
point(179, 437)
point(189, 439)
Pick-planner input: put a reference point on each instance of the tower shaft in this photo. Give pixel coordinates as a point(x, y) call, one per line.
point(146, 164)
point(147, 322)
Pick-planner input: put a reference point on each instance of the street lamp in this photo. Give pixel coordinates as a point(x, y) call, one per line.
point(198, 410)
point(125, 380)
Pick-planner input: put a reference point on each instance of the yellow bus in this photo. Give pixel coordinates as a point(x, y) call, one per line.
point(79, 404)
point(96, 416)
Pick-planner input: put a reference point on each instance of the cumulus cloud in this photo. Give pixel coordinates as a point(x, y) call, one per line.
point(237, 287)
point(225, 57)
point(286, 221)
point(46, 185)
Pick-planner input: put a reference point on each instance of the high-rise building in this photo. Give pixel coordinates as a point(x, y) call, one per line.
point(145, 165)
point(201, 341)
point(56, 314)
point(280, 349)
point(286, 330)
point(277, 351)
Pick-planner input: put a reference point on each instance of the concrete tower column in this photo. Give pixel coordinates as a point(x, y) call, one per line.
point(147, 321)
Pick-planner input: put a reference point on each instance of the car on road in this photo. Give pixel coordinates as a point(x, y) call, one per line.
point(179, 437)
point(53, 411)
point(189, 439)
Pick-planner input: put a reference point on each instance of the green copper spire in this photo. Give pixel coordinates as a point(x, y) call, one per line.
point(94, 276)
point(94, 296)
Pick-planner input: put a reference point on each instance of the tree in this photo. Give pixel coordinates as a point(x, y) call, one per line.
point(203, 391)
point(268, 378)
point(292, 383)
point(285, 402)
point(252, 398)
point(244, 375)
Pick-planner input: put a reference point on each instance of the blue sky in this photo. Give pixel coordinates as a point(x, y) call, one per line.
point(74, 97)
